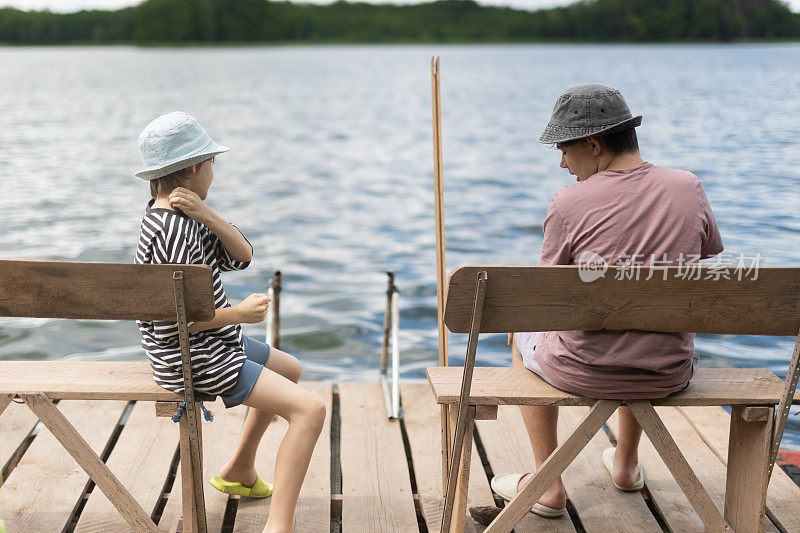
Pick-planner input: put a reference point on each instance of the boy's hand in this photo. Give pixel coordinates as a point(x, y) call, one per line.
point(510, 338)
point(191, 204)
point(253, 309)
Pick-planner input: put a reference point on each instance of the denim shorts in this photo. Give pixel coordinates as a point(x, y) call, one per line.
point(257, 354)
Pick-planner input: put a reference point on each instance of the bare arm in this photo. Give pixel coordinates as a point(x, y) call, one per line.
point(251, 311)
point(191, 204)
point(222, 317)
point(237, 246)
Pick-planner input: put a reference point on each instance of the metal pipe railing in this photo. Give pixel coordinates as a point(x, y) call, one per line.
point(391, 327)
point(273, 321)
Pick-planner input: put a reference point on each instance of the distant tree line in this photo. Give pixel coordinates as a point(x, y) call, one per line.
point(263, 21)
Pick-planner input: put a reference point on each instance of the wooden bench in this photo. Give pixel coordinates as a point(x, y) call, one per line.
point(60, 289)
point(553, 298)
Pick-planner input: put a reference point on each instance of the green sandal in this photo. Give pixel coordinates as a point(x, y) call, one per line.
point(260, 489)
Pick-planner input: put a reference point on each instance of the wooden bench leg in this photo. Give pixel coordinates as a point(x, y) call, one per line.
point(83, 454)
point(457, 511)
point(5, 399)
point(463, 422)
point(193, 497)
point(681, 470)
point(748, 460)
point(558, 461)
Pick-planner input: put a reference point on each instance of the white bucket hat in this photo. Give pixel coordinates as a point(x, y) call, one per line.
point(172, 142)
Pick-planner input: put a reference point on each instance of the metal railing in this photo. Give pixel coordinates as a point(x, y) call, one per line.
point(273, 321)
point(391, 328)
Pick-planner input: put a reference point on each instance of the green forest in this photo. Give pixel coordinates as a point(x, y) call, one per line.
point(181, 22)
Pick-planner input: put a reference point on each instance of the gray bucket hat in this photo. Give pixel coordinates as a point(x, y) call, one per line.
point(172, 142)
point(587, 110)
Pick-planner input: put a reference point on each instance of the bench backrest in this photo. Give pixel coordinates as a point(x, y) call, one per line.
point(554, 298)
point(102, 291)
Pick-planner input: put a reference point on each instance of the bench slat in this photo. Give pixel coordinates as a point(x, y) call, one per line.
point(82, 380)
point(518, 386)
point(102, 291)
point(551, 298)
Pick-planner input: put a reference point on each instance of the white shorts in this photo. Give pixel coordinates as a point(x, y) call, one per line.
point(526, 343)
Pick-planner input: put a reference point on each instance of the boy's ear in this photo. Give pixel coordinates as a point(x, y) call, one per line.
point(192, 169)
point(594, 145)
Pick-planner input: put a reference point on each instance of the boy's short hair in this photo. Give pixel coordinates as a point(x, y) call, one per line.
point(618, 142)
point(164, 185)
point(621, 142)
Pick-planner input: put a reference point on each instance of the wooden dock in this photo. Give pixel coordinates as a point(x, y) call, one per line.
point(367, 474)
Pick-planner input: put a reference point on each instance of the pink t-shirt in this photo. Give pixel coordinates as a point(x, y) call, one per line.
point(657, 212)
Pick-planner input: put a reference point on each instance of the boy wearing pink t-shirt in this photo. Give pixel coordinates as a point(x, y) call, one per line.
point(625, 211)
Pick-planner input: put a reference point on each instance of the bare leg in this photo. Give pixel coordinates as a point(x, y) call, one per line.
point(542, 424)
point(241, 467)
point(305, 413)
point(626, 458)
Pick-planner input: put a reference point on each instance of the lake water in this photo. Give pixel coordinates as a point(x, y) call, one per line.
point(330, 173)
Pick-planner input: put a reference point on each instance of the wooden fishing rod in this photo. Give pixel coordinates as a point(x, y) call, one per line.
point(440, 263)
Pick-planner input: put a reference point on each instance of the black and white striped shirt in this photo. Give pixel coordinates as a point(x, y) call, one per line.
point(217, 355)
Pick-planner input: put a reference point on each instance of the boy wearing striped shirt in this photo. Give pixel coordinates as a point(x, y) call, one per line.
point(179, 227)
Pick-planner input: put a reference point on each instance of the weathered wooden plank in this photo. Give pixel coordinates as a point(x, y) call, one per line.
point(783, 495)
point(555, 464)
point(219, 441)
point(104, 291)
point(509, 450)
point(667, 496)
point(193, 504)
point(519, 386)
point(601, 507)
point(748, 462)
point(141, 460)
point(422, 419)
point(90, 461)
point(376, 490)
point(670, 500)
point(454, 516)
point(84, 380)
point(756, 414)
point(43, 490)
point(313, 512)
point(683, 472)
point(16, 423)
point(550, 298)
point(5, 400)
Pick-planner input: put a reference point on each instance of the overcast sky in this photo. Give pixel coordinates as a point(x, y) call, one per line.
point(76, 5)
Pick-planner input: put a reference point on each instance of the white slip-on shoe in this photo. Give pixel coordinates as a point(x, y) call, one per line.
point(505, 486)
point(608, 461)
